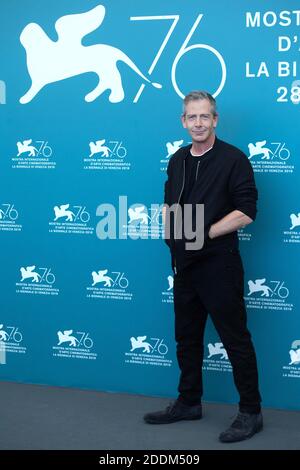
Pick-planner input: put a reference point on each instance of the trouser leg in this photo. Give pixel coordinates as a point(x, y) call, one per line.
point(190, 319)
point(221, 290)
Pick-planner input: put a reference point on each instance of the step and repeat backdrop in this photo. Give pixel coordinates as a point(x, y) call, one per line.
point(90, 102)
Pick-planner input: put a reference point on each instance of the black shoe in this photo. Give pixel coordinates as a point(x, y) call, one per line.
point(176, 411)
point(243, 427)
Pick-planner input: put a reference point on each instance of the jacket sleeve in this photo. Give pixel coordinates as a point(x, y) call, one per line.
point(167, 200)
point(242, 187)
point(168, 184)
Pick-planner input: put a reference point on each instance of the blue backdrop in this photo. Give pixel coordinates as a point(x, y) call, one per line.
point(86, 298)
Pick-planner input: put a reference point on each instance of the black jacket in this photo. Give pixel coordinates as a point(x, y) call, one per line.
point(224, 182)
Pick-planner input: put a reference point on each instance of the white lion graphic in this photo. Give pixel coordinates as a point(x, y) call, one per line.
point(51, 61)
point(24, 147)
point(138, 214)
point(257, 286)
point(139, 342)
point(3, 334)
point(173, 147)
point(216, 349)
point(171, 282)
point(100, 277)
point(28, 273)
point(98, 147)
point(62, 211)
point(259, 149)
point(295, 220)
point(66, 337)
point(295, 356)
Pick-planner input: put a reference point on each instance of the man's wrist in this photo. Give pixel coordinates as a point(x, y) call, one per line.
point(211, 232)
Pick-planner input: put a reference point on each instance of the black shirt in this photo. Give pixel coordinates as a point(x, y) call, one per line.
point(191, 169)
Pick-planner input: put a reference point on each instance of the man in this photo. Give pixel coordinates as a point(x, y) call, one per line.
point(209, 280)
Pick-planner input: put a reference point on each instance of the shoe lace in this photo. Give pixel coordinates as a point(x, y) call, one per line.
point(172, 408)
point(240, 421)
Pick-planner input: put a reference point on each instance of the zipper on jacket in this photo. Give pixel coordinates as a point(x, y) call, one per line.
point(197, 170)
point(175, 219)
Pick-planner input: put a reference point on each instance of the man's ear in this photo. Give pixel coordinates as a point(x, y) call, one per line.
point(216, 120)
point(183, 121)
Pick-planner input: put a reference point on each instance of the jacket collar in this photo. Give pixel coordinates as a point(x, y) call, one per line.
point(188, 148)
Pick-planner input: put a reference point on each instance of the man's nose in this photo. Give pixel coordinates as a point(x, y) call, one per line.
point(198, 121)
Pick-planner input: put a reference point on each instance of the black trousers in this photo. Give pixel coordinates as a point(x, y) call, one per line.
point(214, 285)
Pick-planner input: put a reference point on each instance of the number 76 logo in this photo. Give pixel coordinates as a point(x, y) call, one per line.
point(184, 49)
